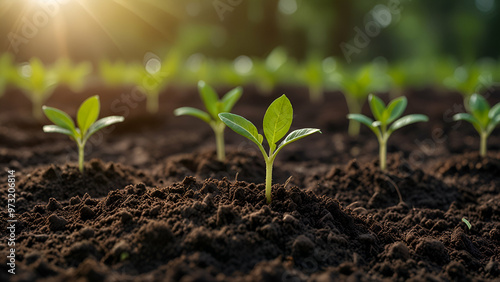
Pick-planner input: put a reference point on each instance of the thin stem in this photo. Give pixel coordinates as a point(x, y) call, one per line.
point(383, 153)
point(81, 156)
point(482, 148)
point(354, 108)
point(269, 180)
point(219, 141)
point(37, 102)
point(316, 94)
point(152, 102)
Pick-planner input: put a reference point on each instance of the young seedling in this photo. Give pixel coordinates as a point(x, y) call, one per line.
point(214, 106)
point(384, 116)
point(155, 75)
point(37, 82)
point(318, 74)
point(482, 117)
point(277, 122)
point(267, 73)
point(464, 220)
point(87, 123)
point(7, 70)
point(357, 86)
point(72, 75)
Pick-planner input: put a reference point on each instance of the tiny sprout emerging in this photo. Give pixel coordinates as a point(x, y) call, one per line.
point(277, 122)
point(466, 222)
point(482, 118)
point(87, 123)
point(214, 106)
point(384, 116)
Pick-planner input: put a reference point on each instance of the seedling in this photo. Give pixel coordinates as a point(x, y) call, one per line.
point(277, 122)
point(37, 82)
point(482, 117)
point(356, 88)
point(7, 70)
point(268, 73)
point(155, 75)
point(214, 106)
point(87, 123)
point(72, 75)
point(469, 80)
point(464, 220)
point(384, 116)
point(318, 74)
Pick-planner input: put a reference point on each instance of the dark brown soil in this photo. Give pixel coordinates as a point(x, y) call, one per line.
point(154, 204)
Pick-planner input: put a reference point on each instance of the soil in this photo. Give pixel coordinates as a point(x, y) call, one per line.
point(154, 204)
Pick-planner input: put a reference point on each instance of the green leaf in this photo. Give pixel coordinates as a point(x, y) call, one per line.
point(467, 117)
point(494, 112)
point(57, 129)
point(480, 109)
point(298, 134)
point(59, 118)
point(395, 109)
point(193, 112)
point(466, 222)
point(102, 123)
point(209, 98)
point(230, 99)
point(88, 113)
point(377, 106)
point(493, 123)
point(406, 120)
point(242, 126)
point(277, 120)
point(362, 119)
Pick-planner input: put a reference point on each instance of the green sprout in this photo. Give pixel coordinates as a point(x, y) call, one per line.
point(482, 117)
point(470, 79)
point(87, 122)
point(7, 70)
point(277, 121)
point(72, 75)
point(214, 106)
point(357, 87)
point(37, 82)
point(467, 222)
point(155, 75)
point(318, 74)
point(384, 116)
point(117, 73)
point(267, 73)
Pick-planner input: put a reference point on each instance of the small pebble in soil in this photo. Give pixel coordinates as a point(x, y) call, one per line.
point(434, 250)
point(367, 239)
point(398, 250)
point(155, 233)
point(86, 213)
point(493, 268)
point(125, 217)
point(53, 205)
point(225, 214)
point(302, 246)
point(455, 270)
point(495, 234)
point(75, 200)
point(87, 232)
point(56, 222)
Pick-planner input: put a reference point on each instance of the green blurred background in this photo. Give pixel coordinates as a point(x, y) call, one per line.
point(92, 30)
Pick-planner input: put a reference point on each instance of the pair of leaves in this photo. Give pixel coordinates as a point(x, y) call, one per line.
point(386, 115)
point(212, 103)
point(483, 118)
point(86, 118)
point(277, 121)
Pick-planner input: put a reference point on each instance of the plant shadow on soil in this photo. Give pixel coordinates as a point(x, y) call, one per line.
point(157, 206)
